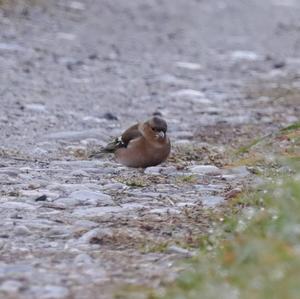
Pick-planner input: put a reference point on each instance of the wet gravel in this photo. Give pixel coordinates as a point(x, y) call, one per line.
point(74, 74)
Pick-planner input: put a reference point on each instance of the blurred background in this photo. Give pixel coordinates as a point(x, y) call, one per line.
point(71, 65)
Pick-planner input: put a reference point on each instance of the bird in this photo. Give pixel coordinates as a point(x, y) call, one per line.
point(143, 144)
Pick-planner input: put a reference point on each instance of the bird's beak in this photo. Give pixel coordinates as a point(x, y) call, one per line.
point(161, 134)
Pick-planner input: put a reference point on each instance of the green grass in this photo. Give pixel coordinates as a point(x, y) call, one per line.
point(258, 253)
point(286, 130)
point(254, 253)
point(292, 127)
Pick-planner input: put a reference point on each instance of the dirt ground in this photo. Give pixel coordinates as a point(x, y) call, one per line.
point(72, 75)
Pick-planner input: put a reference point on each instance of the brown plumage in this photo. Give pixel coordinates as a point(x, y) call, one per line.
point(143, 144)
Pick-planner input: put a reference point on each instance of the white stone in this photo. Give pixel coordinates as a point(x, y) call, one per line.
point(10, 286)
point(155, 170)
point(22, 230)
point(36, 107)
point(91, 197)
point(76, 5)
point(212, 201)
point(83, 259)
point(188, 93)
point(189, 65)
point(178, 250)
point(240, 171)
point(50, 292)
point(205, 169)
point(244, 55)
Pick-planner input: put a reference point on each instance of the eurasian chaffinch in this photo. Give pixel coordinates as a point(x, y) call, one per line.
point(143, 144)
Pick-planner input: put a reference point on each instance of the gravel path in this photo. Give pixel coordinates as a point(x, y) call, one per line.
point(73, 74)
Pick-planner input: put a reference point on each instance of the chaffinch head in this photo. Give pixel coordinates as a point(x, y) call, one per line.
point(143, 144)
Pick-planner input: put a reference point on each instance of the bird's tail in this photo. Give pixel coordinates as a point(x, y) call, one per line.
point(111, 147)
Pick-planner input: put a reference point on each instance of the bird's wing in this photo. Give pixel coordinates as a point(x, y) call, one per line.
point(130, 134)
point(123, 141)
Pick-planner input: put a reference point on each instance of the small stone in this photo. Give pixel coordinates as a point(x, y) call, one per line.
point(279, 65)
point(155, 170)
point(205, 169)
point(189, 65)
point(95, 236)
point(10, 171)
point(212, 201)
point(76, 5)
point(36, 107)
point(41, 198)
point(22, 230)
point(10, 286)
point(188, 93)
point(92, 197)
point(79, 172)
point(164, 210)
point(179, 250)
point(85, 224)
point(10, 47)
point(110, 116)
point(49, 292)
point(83, 259)
point(66, 36)
point(240, 171)
point(244, 55)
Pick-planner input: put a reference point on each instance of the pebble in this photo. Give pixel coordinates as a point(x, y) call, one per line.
point(165, 210)
point(22, 230)
point(10, 47)
point(79, 172)
point(240, 171)
point(178, 250)
point(76, 5)
point(91, 197)
point(172, 80)
point(85, 224)
point(94, 234)
point(155, 170)
point(189, 65)
point(209, 188)
point(36, 107)
point(10, 286)
point(49, 292)
point(244, 55)
point(188, 93)
point(205, 169)
point(10, 171)
point(212, 201)
point(83, 259)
